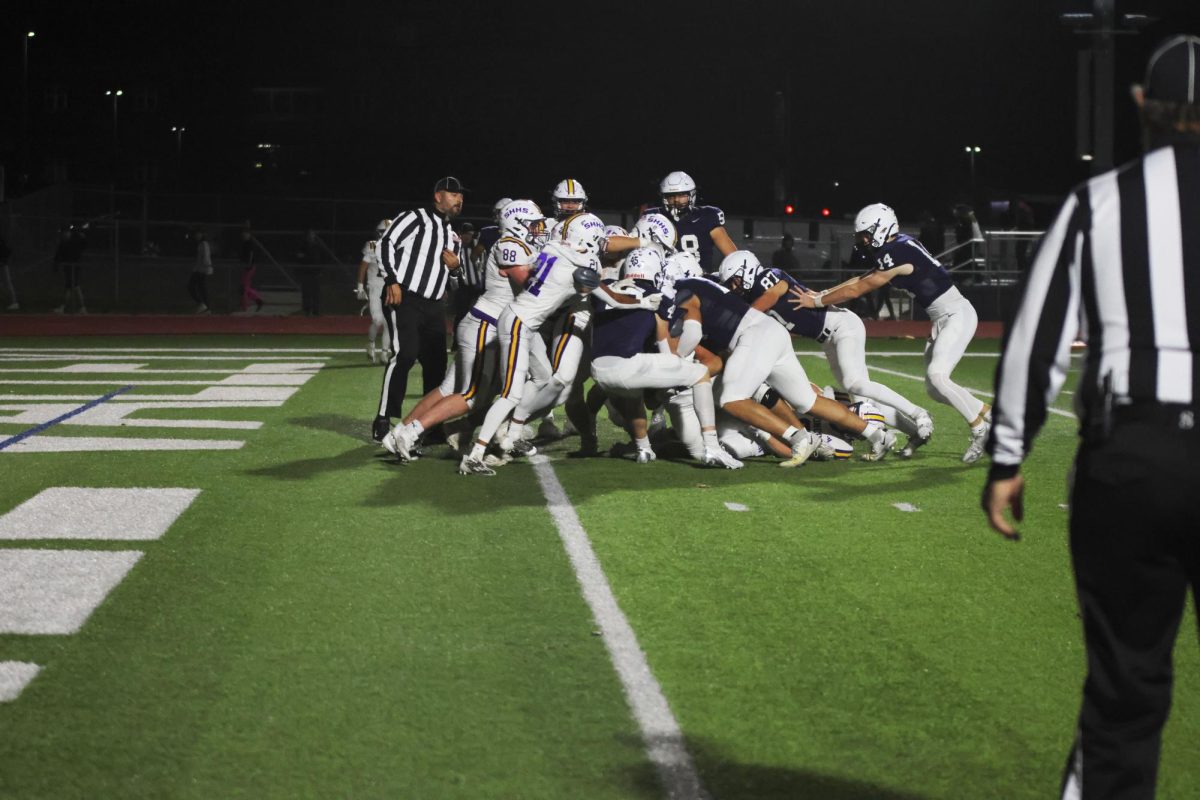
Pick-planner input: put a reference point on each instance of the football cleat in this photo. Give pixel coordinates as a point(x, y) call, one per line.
point(924, 432)
point(825, 450)
point(979, 435)
point(719, 458)
point(473, 466)
point(645, 456)
point(803, 446)
point(371, 352)
point(380, 428)
point(403, 440)
point(496, 461)
point(882, 446)
point(524, 447)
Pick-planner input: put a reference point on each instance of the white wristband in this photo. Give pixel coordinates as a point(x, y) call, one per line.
point(817, 302)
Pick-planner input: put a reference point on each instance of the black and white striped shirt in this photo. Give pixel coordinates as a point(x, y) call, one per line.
point(470, 274)
point(410, 253)
point(1120, 266)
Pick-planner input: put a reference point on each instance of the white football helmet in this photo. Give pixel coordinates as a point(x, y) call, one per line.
point(568, 198)
point(740, 264)
point(875, 224)
point(382, 227)
point(659, 230)
point(501, 203)
point(582, 232)
point(683, 264)
point(643, 264)
point(674, 184)
point(614, 230)
point(524, 221)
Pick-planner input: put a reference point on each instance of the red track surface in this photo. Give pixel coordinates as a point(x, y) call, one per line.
point(158, 325)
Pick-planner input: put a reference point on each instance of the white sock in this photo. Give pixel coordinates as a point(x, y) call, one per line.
point(477, 451)
point(790, 434)
point(710, 439)
point(643, 443)
point(417, 427)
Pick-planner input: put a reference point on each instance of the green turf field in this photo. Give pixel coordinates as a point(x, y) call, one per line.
point(319, 622)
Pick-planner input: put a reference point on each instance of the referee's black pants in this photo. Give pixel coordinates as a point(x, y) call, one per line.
point(1135, 547)
point(417, 332)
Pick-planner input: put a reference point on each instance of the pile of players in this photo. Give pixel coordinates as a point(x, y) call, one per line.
point(569, 298)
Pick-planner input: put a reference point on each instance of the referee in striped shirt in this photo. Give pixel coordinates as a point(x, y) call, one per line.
point(1121, 265)
point(417, 254)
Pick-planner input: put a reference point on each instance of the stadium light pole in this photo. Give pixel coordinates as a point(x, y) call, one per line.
point(972, 151)
point(25, 98)
point(178, 130)
point(115, 94)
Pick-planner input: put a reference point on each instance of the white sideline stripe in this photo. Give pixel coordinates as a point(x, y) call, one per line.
point(18, 358)
point(66, 512)
point(137, 370)
point(14, 677)
point(239, 379)
point(198, 350)
point(660, 730)
point(921, 378)
point(175, 400)
point(89, 444)
point(55, 591)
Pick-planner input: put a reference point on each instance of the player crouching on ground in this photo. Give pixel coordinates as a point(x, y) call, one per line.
point(631, 353)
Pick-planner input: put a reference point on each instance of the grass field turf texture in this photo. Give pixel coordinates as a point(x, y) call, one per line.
point(323, 623)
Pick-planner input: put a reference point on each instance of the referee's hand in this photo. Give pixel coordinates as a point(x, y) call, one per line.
point(450, 260)
point(999, 495)
point(393, 296)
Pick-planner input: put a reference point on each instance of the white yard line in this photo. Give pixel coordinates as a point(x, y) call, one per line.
point(980, 392)
point(660, 730)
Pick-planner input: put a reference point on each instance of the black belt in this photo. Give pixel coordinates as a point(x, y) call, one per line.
point(1173, 415)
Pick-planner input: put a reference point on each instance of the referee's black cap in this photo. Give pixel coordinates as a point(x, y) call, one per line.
point(1173, 72)
point(450, 184)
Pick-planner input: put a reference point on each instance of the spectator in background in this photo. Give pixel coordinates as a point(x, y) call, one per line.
point(247, 253)
point(5, 253)
point(468, 279)
point(933, 233)
point(198, 282)
point(1022, 222)
point(966, 232)
point(784, 258)
point(309, 273)
point(66, 257)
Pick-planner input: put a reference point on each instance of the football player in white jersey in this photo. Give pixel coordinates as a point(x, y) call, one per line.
point(523, 235)
point(564, 269)
point(370, 288)
point(566, 346)
point(568, 198)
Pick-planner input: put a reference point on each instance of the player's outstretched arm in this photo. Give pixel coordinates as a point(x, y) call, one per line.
point(1000, 495)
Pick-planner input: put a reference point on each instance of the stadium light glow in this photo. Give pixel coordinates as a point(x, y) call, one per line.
point(789, 209)
point(825, 212)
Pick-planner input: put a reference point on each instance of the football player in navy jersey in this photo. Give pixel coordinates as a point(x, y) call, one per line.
point(631, 352)
point(700, 227)
point(841, 334)
point(903, 261)
point(760, 352)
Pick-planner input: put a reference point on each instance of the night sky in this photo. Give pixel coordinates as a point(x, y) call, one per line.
point(881, 97)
